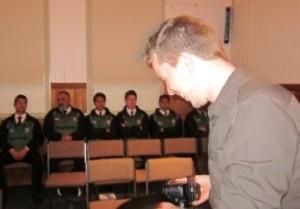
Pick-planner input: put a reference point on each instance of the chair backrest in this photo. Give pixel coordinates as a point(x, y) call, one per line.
point(105, 148)
point(62, 149)
point(103, 171)
point(143, 147)
point(183, 145)
point(168, 168)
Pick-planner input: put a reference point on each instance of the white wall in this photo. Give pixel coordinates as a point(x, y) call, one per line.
point(23, 54)
point(36, 95)
point(67, 41)
point(117, 34)
point(266, 38)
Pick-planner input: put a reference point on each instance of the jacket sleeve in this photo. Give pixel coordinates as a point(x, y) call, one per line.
point(154, 128)
point(190, 127)
point(81, 131)
point(177, 130)
point(48, 128)
point(3, 134)
point(38, 137)
point(113, 129)
point(143, 130)
point(258, 157)
point(122, 131)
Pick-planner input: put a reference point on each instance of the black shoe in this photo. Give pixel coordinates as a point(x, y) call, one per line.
point(77, 192)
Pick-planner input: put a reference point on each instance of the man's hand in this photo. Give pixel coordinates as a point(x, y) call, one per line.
point(23, 152)
point(67, 138)
point(18, 155)
point(202, 128)
point(205, 187)
point(14, 153)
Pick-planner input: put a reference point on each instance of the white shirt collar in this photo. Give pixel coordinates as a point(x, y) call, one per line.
point(164, 112)
point(102, 112)
point(66, 111)
point(131, 111)
point(23, 117)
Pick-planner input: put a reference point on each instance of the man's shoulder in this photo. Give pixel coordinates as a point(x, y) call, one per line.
point(253, 90)
point(31, 118)
point(7, 119)
point(74, 109)
point(52, 111)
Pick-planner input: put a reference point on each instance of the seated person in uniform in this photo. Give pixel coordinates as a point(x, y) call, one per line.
point(101, 123)
point(197, 125)
point(132, 122)
point(165, 122)
point(65, 123)
point(21, 135)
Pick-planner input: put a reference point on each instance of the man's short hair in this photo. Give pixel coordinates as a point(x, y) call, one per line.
point(183, 34)
point(164, 96)
point(20, 96)
point(130, 93)
point(64, 92)
point(99, 94)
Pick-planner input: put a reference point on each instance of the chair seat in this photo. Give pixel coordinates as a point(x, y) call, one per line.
point(107, 204)
point(17, 165)
point(140, 175)
point(65, 179)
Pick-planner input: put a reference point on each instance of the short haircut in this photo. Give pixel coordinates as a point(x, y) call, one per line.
point(130, 93)
point(164, 96)
point(20, 96)
point(183, 34)
point(64, 92)
point(99, 94)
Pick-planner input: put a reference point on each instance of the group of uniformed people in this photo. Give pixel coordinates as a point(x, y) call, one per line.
point(21, 134)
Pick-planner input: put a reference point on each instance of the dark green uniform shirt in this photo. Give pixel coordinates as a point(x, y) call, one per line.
point(17, 136)
point(254, 153)
point(57, 124)
point(165, 126)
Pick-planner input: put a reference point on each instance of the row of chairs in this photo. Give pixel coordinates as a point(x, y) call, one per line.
point(120, 148)
point(101, 169)
point(143, 147)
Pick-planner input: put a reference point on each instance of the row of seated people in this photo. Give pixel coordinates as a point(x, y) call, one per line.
point(21, 135)
point(131, 122)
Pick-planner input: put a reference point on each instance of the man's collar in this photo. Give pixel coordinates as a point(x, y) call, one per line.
point(23, 117)
point(229, 93)
point(66, 111)
point(131, 111)
point(100, 112)
point(164, 112)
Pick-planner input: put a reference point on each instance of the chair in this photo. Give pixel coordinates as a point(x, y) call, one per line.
point(65, 150)
point(106, 172)
point(143, 148)
point(106, 148)
point(107, 204)
point(167, 168)
point(180, 146)
point(21, 171)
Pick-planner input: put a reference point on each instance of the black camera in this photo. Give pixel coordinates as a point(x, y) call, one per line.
point(182, 194)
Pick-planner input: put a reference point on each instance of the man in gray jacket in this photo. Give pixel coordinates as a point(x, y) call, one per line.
point(254, 143)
